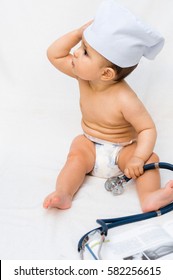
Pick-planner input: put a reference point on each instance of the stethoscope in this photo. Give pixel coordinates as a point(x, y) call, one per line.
point(115, 185)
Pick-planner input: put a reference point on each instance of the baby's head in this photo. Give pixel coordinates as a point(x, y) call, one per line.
point(121, 38)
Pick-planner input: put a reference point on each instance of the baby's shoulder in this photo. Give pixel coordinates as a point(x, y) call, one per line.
point(123, 90)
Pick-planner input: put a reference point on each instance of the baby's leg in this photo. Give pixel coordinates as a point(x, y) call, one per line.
point(151, 195)
point(80, 161)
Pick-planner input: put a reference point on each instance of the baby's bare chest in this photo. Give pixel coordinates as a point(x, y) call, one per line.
point(101, 108)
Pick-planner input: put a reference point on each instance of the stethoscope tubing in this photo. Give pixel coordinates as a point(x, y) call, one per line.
point(155, 165)
point(107, 224)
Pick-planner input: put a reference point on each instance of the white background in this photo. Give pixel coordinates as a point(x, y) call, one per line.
point(39, 117)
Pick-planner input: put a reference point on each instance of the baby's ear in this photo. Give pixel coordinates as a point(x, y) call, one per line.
point(108, 74)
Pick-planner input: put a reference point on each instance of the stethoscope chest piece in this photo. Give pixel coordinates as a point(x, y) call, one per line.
point(115, 185)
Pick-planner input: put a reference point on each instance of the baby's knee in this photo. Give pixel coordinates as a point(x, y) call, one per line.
point(80, 159)
point(74, 156)
point(153, 158)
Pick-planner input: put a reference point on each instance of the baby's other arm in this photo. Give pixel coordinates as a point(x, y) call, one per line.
point(59, 51)
point(136, 114)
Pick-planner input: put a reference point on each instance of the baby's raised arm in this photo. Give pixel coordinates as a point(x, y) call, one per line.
point(59, 51)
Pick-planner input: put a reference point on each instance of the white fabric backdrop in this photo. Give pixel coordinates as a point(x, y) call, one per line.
point(39, 117)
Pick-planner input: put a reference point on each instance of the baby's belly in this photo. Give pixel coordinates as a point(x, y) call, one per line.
point(115, 135)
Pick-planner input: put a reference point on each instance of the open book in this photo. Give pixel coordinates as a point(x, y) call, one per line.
point(149, 242)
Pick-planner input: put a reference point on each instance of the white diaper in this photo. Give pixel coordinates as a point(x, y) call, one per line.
point(106, 157)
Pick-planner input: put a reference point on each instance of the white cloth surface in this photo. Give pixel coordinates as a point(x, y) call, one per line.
point(39, 117)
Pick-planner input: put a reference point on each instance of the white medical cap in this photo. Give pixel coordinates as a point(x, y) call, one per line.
point(121, 37)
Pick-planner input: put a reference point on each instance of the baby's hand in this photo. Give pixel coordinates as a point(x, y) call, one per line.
point(134, 168)
point(87, 24)
point(83, 27)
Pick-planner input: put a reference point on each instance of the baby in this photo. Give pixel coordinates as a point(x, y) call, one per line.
point(119, 134)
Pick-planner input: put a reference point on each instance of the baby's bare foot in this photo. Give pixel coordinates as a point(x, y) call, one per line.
point(168, 193)
point(159, 198)
point(57, 200)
